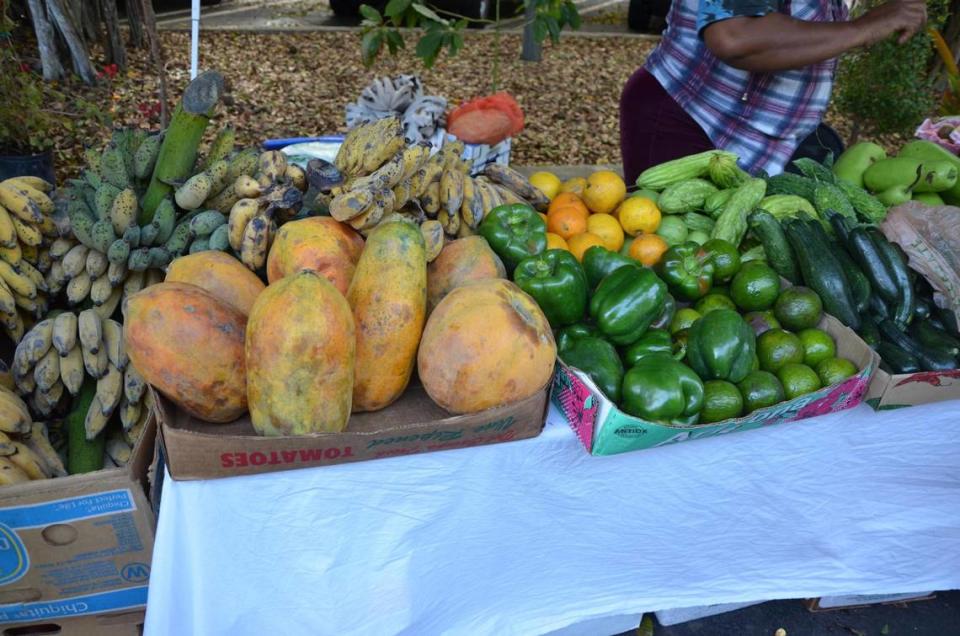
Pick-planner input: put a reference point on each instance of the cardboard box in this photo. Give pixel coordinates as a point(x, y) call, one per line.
point(413, 424)
point(852, 601)
point(897, 391)
point(75, 551)
point(604, 429)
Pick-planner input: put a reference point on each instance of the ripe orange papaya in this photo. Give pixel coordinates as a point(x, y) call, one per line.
point(460, 262)
point(389, 300)
point(300, 350)
point(220, 274)
point(486, 344)
point(189, 345)
point(320, 243)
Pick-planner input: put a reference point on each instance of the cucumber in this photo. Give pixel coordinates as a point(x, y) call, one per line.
point(930, 358)
point(903, 312)
point(933, 338)
point(897, 359)
point(83, 456)
point(866, 253)
point(779, 254)
point(823, 273)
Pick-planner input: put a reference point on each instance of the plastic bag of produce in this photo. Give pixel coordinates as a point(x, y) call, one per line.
point(929, 235)
point(942, 130)
point(486, 120)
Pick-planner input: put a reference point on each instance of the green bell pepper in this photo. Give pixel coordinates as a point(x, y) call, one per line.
point(599, 262)
point(626, 302)
point(556, 281)
point(653, 342)
point(660, 389)
point(688, 270)
point(665, 317)
point(721, 346)
point(598, 359)
point(514, 231)
point(566, 336)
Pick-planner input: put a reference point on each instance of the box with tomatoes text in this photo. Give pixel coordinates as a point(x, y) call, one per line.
point(195, 449)
point(604, 429)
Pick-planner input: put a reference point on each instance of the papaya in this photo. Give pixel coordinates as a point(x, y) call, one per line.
point(388, 296)
point(300, 352)
point(460, 262)
point(320, 243)
point(189, 345)
point(220, 274)
point(486, 344)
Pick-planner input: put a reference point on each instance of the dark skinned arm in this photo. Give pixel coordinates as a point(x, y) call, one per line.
point(778, 42)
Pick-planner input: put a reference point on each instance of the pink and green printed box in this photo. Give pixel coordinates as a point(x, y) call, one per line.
point(604, 429)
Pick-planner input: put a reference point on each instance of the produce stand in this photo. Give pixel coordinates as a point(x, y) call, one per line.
point(535, 536)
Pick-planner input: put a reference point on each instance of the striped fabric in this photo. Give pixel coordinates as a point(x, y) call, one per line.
point(762, 117)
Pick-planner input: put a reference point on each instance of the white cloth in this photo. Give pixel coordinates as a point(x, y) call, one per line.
point(536, 536)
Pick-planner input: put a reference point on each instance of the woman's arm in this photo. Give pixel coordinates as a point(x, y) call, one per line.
point(778, 42)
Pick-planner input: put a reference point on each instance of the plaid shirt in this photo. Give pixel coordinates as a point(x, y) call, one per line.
point(762, 117)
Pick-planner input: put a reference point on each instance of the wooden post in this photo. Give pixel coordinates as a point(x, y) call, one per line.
point(136, 23)
point(60, 16)
point(46, 41)
point(531, 49)
point(115, 51)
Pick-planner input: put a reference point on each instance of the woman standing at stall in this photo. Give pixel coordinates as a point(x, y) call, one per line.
point(750, 76)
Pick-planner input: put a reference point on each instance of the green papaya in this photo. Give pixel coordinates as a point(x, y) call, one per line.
point(936, 176)
point(855, 160)
point(928, 151)
point(887, 174)
point(928, 198)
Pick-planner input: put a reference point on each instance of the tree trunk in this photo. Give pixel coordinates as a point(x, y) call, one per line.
point(135, 22)
point(115, 52)
point(90, 18)
point(531, 49)
point(60, 16)
point(156, 55)
point(46, 41)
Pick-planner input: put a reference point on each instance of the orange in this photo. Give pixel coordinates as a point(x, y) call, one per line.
point(648, 248)
point(556, 242)
point(580, 243)
point(639, 215)
point(546, 182)
point(608, 229)
point(567, 221)
point(604, 192)
point(565, 200)
point(575, 185)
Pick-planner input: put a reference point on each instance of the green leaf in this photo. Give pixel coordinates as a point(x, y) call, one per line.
point(539, 30)
point(456, 43)
point(395, 41)
point(396, 8)
point(429, 47)
point(370, 13)
point(554, 29)
point(370, 46)
point(428, 13)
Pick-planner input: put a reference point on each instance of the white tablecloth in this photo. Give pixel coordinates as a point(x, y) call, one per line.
point(536, 536)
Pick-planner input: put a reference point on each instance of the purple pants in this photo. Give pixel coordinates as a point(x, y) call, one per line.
point(653, 128)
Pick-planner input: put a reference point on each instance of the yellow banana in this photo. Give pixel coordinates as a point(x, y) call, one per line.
point(72, 371)
point(110, 389)
point(46, 401)
point(12, 255)
point(34, 306)
point(134, 385)
point(118, 449)
point(451, 192)
point(30, 462)
point(60, 247)
point(11, 474)
point(96, 420)
point(430, 200)
point(30, 253)
point(113, 341)
point(16, 201)
point(390, 173)
point(414, 157)
point(48, 227)
point(133, 284)
point(65, 332)
point(33, 274)
point(8, 234)
point(14, 415)
point(35, 344)
point(247, 187)
point(433, 237)
point(123, 211)
point(13, 325)
point(28, 233)
point(352, 204)
point(110, 306)
point(427, 174)
point(255, 242)
point(42, 201)
point(47, 371)
point(32, 182)
point(90, 330)
point(8, 303)
point(297, 176)
point(95, 363)
point(129, 413)
point(78, 289)
point(101, 290)
point(75, 260)
point(240, 215)
point(39, 443)
point(471, 210)
point(383, 150)
point(272, 165)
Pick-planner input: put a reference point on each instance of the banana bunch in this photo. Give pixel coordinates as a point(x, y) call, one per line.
point(59, 352)
point(269, 198)
point(26, 452)
point(27, 227)
point(381, 175)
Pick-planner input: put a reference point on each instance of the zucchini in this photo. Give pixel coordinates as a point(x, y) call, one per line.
point(898, 359)
point(866, 253)
point(668, 173)
point(775, 245)
point(930, 358)
point(731, 225)
point(933, 338)
point(869, 333)
point(856, 279)
point(922, 309)
point(829, 197)
point(686, 196)
point(841, 227)
point(83, 456)
point(878, 308)
point(867, 207)
point(903, 312)
point(823, 273)
point(789, 183)
point(948, 319)
point(814, 170)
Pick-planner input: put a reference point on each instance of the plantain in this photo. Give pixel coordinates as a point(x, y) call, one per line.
point(72, 370)
point(451, 193)
point(352, 204)
point(433, 237)
point(240, 215)
point(123, 211)
point(255, 242)
point(64, 335)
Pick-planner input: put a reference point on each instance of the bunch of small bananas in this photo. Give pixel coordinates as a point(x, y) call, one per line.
point(103, 208)
point(26, 452)
point(59, 352)
point(271, 197)
point(380, 174)
point(26, 228)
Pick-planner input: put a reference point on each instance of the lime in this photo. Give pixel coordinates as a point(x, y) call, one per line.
point(818, 345)
point(755, 287)
point(761, 321)
point(835, 370)
point(798, 308)
point(760, 389)
point(776, 347)
point(673, 230)
point(714, 301)
point(798, 379)
point(725, 259)
point(721, 401)
point(684, 319)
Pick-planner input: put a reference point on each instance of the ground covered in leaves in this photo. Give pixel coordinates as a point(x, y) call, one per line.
point(285, 85)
